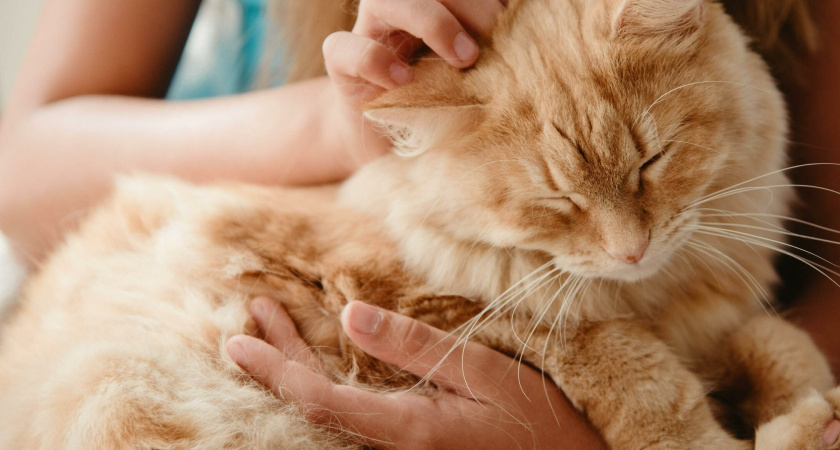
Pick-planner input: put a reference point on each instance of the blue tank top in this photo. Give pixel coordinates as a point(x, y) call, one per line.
point(223, 52)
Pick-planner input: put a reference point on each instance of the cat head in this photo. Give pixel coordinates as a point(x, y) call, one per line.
point(587, 130)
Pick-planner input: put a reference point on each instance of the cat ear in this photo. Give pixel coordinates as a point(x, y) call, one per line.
point(659, 18)
point(414, 130)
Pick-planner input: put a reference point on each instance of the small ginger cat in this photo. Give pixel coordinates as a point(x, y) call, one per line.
point(599, 183)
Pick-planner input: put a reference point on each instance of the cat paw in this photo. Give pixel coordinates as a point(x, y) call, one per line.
point(813, 424)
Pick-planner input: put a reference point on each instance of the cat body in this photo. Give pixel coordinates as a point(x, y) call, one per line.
point(606, 182)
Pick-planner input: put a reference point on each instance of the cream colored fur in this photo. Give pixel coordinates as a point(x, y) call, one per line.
point(585, 130)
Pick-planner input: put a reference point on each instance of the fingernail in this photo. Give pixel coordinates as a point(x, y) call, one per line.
point(363, 318)
point(465, 47)
point(237, 352)
point(400, 74)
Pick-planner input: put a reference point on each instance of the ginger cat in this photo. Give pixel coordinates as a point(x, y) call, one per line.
point(598, 183)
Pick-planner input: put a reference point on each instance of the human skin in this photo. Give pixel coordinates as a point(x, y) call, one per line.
point(489, 402)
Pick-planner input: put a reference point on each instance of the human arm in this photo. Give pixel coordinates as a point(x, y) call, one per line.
point(61, 158)
point(490, 400)
point(87, 106)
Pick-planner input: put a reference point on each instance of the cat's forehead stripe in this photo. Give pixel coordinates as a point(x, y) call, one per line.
point(545, 166)
point(638, 142)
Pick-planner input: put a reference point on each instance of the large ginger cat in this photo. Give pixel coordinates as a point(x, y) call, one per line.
point(605, 182)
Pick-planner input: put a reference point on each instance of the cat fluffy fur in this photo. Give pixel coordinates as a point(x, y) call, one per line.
point(119, 339)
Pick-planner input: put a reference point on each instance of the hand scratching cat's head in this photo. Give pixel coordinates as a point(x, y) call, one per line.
point(585, 131)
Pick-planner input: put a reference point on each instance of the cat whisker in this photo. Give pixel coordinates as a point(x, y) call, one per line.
point(545, 351)
point(495, 308)
point(693, 144)
point(557, 320)
point(766, 239)
point(774, 229)
point(691, 245)
point(697, 83)
point(756, 289)
point(532, 326)
point(566, 307)
point(523, 283)
point(768, 174)
point(728, 261)
point(506, 301)
point(814, 265)
point(513, 302)
point(757, 188)
point(536, 319)
point(670, 273)
point(755, 216)
point(476, 241)
point(743, 190)
point(335, 426)
point(498, 427)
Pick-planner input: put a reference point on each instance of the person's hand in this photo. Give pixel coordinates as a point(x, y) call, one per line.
point(374, 57)
point(490, 401)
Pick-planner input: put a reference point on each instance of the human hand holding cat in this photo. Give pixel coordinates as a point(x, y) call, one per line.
point(490, 400)
point(374, 56)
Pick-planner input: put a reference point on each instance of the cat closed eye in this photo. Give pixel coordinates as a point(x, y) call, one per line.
point(564, 202)
point(651, 161)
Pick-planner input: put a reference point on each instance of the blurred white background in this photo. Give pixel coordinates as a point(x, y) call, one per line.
point(17, 21)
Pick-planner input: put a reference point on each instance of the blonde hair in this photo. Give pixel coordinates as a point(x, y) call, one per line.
point(783, 31)
point(302, 27)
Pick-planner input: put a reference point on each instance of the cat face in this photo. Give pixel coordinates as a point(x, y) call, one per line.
point(586, 131)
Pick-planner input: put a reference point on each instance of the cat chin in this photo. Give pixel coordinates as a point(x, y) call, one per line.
point(636, 272)
point(628, 273)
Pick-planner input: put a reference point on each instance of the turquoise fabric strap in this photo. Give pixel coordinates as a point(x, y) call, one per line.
point(253, 31)
point(235, 51)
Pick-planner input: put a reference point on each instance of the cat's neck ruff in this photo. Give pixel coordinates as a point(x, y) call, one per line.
point(507, 275)
point(451, 266)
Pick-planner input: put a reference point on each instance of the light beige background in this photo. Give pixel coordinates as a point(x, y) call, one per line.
point(17, 21)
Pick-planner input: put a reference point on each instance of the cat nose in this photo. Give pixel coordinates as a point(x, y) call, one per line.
point(630, 254)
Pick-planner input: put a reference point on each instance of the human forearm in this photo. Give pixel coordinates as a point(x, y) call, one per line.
point(61, 158)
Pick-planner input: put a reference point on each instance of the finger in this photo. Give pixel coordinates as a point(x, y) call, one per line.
point(350, 57)
point(289, 380)
point(383, 417)
point(468, 368)
point(478, 16)
point(428, 20)
point(279, 330)
point(274, 322)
